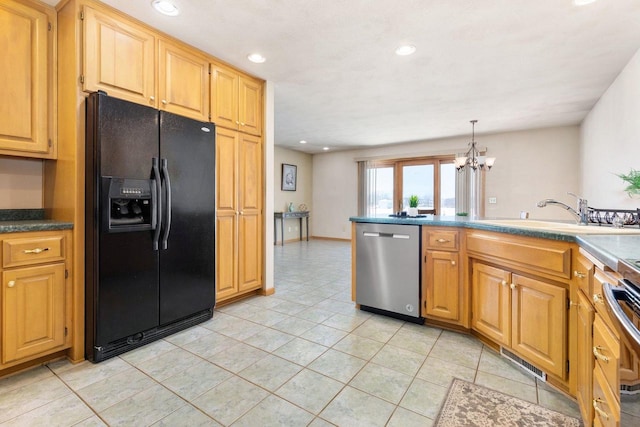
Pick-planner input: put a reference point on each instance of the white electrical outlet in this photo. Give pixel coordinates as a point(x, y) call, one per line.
point(493, 200)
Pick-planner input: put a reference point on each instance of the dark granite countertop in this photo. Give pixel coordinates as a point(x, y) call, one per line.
point(608, 248)
point(17, 220)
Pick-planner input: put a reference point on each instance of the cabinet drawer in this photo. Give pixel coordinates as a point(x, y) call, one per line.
point(583, 274)
point(597, 298)
point(442, 239)
point(528, 253)
point(32, 250)
point(606, 349)
point(605, 405)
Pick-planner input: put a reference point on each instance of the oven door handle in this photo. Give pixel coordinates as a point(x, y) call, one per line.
point(610, 293)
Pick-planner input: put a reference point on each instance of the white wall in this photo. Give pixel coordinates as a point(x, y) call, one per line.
point(20, 183)
point(303, 193)
point(531, 165)
point(610, 140)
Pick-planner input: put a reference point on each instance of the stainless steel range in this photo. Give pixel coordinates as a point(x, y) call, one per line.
point(623, 302)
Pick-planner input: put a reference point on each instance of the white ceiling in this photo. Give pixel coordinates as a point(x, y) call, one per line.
point(511, 64)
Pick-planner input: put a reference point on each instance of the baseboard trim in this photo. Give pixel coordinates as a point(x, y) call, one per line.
point(335, 239)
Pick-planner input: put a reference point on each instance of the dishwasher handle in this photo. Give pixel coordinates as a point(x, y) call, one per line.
point(386, 235)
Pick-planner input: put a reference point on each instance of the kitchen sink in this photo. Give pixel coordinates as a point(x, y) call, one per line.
point(559, 227)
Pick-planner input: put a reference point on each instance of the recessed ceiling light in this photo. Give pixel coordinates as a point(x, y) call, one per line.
point(325, 148)
point(405, 50)
point(583, 2)
point(303, 142)
point(166, 7)
point(257, 58)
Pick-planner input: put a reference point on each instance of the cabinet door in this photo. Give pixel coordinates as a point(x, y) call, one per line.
point(224, 97)
point(539, 334)
point(250, 106)
point(442, 293)
point(183, 82)
point(118, 58)
point(24, 85)
point(33, 311)
point(584, 353)
point(226, 255)
point(226, 213)
point(491, 296)
point(250, 219)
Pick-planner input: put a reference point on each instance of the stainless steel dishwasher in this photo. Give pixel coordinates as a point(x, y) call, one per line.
point(388, 269)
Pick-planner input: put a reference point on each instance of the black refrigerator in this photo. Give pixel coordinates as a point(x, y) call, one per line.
point(150, 224)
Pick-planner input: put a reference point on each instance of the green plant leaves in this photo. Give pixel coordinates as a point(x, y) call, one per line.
point(633, 179)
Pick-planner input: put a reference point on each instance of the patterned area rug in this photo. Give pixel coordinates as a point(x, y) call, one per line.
point(473, 405)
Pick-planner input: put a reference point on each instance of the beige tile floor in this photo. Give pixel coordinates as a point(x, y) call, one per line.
point(304, 356)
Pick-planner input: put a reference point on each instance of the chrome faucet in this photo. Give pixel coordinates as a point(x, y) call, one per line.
point(581, 214)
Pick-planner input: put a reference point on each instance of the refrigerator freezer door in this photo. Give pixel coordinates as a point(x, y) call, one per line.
point(121, 268)
point(187, 265)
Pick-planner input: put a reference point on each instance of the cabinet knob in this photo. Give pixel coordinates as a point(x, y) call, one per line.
point(152, 98)
point(503, 283)
point(242, 124)
point(453, 262)
point(11, 283)
point(164, 101)
point(441, 240)
point(598, 355)
point(598, 410)
point(237, 122)
point(579, 274)
point(574, 304)
point(512, 286)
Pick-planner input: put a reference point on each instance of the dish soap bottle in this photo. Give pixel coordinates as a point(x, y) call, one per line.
point(290, 206)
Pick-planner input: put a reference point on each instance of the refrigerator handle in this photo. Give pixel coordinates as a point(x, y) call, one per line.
point(156, 203)
point(167, 221)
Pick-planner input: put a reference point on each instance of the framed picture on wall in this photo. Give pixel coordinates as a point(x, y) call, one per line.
point(289, 177)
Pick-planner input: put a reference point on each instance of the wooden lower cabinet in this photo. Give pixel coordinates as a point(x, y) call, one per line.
point(33, 311)
point(491, 307)
point(585, 358)
point(36, 300)
point(445, 294)
point(527, 315)
point(442, 286)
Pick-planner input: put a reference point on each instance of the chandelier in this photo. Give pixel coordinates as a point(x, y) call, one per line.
point(472, 157)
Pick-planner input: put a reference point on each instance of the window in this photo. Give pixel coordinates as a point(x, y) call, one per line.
point(385, 186)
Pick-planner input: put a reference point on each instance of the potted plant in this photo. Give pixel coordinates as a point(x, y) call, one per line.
point(413, 205)
point(633, 181)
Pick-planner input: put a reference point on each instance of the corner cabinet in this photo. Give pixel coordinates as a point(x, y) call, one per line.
point(444, 295)
point(37, 296)
point(27, 37)
point(239, 218)
point(520, 292)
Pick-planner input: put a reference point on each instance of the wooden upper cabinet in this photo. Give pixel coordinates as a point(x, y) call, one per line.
point(236, 100)
point(224, 97)
point(26, 43)
point(250, 106)
point(118, 57)
point(183, 81)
